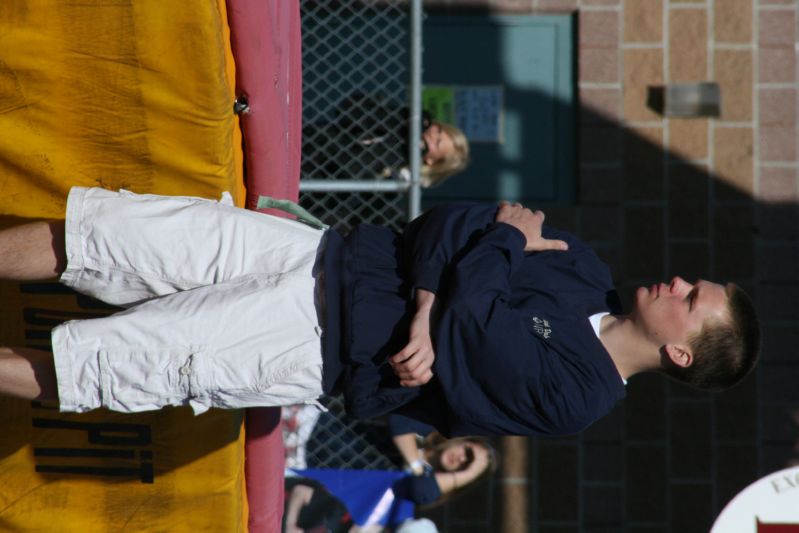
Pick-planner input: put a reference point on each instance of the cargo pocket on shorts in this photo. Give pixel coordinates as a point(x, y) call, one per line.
point(134, 380)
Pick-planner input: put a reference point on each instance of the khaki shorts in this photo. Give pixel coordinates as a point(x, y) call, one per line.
point(221, 305)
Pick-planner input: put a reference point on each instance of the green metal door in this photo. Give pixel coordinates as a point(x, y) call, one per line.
point(529, 61)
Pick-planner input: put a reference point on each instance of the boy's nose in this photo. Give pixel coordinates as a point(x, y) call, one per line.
point(678, 283)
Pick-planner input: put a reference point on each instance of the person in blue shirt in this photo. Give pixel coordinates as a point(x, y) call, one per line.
point(477, 320)
point(309, 506)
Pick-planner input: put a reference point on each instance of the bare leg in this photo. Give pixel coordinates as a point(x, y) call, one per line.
point(33, 251)
point(28, 374)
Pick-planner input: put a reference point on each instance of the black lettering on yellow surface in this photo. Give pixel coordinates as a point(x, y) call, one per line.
point(105, 433)
point(98, 435)
point(108, 448)
point(144, 471)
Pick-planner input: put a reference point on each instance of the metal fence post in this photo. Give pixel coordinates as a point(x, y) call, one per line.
point(362, 111)
point(361, 160)
point(415, 196)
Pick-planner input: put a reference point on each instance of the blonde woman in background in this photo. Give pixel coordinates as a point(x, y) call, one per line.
point(369, 140)
point(445, 152)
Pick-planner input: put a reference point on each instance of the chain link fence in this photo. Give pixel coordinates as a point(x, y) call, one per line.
point(355, 61)
point(355, 114)
point(316, 439)
point(361, 83)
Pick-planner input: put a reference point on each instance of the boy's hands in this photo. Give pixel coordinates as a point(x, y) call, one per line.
point(413, 364)
point(529, 223)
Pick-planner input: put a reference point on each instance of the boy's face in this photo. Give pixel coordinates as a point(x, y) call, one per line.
point(671, 312)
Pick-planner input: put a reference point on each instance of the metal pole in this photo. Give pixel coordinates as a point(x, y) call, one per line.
point(515, 485)
point(354, 186)
point(415, 133)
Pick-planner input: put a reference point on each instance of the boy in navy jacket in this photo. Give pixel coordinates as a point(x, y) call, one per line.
point(476, 320)
point(517, 327)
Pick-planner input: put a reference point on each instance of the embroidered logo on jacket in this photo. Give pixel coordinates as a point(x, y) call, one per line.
point(541, 327)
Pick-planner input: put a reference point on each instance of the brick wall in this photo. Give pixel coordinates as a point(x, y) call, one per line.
point(658, 197)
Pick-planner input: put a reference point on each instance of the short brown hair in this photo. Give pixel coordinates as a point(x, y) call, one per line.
point(724, 352)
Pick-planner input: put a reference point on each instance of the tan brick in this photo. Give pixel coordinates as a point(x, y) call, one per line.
point(652, 135)
point(734, 76)
point(599, 29)
point(610, 254)
point(503, 6)
point(598, 106)
point(687, 2)
point(778, 143)
point(689, 260)
point(777, 65)
point(734, 259)
point(600, 185)
point(733, 21)
point(688, 138)
point(733, 163)
point(600, 223)
point(687, 201)
point(643, 243)
point(642, 69)
point(777, 107)
point(599, 65)
point(777, 28)
point(688, 45)
point(600, 144)
point(778, 263)
point(779, 223)
point(557, 5)
point(733, 222)
point(643, 164)
point(563, 217)
point(779, 185)
point(778, 303)
point(643, 21)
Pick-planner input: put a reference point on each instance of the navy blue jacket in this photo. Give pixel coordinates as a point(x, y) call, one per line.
point(515, 352)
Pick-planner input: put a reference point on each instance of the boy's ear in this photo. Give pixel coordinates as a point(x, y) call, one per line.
point(679, 354)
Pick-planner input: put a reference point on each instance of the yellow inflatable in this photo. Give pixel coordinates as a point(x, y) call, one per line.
point(118, 94)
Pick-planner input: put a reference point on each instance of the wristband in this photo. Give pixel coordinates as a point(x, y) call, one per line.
point(416, 468)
